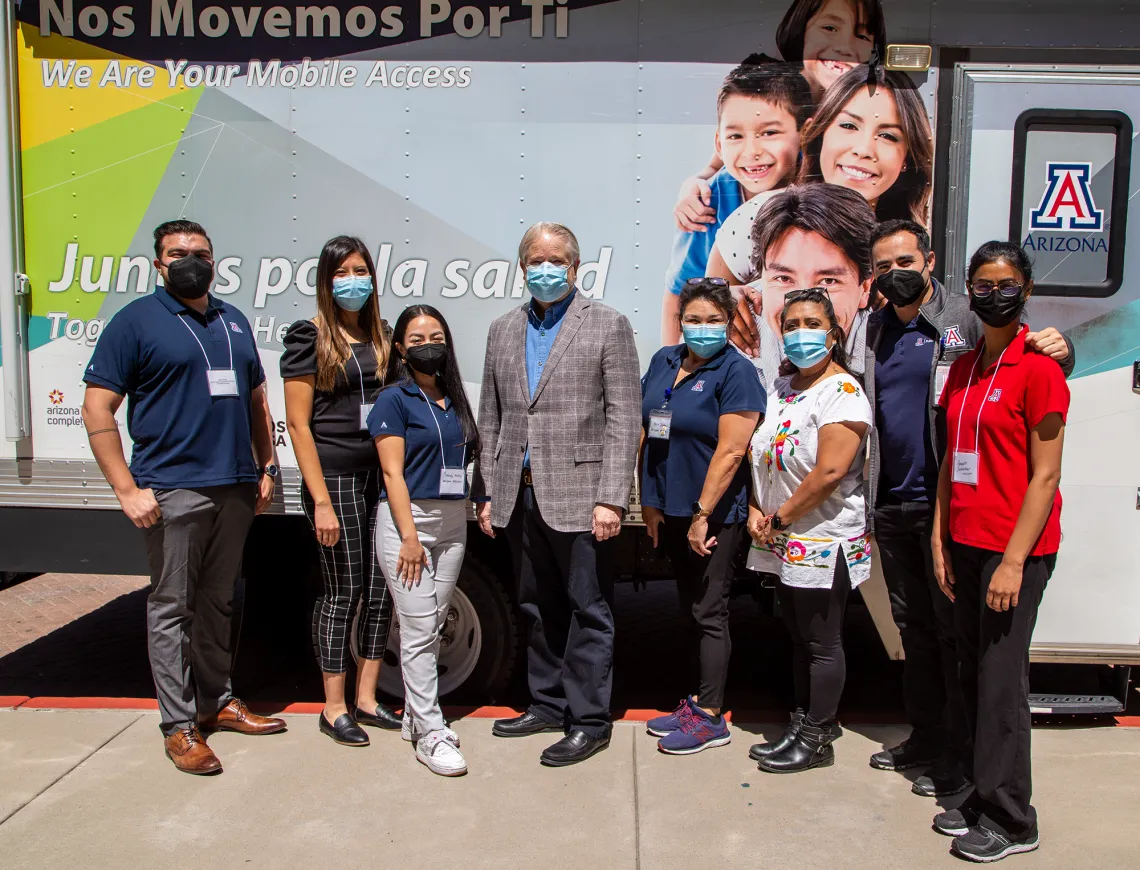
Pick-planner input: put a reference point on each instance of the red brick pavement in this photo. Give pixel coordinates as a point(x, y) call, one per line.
point(36, 607)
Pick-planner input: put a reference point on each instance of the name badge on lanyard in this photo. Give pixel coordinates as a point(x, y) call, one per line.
point(365, 410)
point(220, 382)
point(660, 422)
point(967, 462)
point(941, 373)
point(223, 382)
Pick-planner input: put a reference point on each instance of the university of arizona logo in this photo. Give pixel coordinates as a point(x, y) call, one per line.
point(236, 328)
point(1068, 201)
point(953, 337)
point(699, 387)
point(995, 396)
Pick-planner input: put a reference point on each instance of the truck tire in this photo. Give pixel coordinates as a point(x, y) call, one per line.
point(480, 645)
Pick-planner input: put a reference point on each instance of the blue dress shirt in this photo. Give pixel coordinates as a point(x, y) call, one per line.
point(541, 331)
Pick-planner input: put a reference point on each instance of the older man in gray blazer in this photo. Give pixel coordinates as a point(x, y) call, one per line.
point(560, 421)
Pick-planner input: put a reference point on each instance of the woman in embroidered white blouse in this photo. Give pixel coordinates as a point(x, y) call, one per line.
point(807, 519)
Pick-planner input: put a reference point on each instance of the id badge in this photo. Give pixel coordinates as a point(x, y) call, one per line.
point(660, 422)
point(452, 481)
point(941, 373)
point(223, 382)
point(365, 410)
point(965, 468)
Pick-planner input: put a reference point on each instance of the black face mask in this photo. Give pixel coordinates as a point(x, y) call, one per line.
point(427, 359)
point(189, 277)
point(997, 310)
point(901, 287)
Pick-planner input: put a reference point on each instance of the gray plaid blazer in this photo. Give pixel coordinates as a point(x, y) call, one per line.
point(583, 423)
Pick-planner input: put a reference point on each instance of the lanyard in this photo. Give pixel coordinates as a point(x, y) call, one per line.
point(360, 371)
point(209, 365)
point(962, 410)
point(442, 456)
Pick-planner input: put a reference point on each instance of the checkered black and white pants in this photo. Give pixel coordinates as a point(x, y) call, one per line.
point(351, 573)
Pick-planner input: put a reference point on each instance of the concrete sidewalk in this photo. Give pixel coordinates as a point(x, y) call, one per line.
point(94, 790)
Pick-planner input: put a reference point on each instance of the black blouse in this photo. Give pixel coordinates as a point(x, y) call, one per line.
point(342, 445)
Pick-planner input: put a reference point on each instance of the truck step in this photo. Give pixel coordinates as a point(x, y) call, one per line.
point(1054, 704)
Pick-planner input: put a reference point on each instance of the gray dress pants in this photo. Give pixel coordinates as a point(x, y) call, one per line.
point(195, 553)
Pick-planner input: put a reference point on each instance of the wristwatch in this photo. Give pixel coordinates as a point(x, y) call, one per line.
point(699, 511)
point(271, 470)
point(777, 523)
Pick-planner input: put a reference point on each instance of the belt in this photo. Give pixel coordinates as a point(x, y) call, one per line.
point(527, 479)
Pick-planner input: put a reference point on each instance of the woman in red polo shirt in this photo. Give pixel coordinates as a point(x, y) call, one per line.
point(997, 528)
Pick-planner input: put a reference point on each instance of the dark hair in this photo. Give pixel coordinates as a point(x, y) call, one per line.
point(449, 380)
point(909, 196)
point(781, 84)
point(790, 34)
point(839, 215)
point(715, 292)
point(332, 348)
point(1011, 252)
point(817, 296)
point(900, 225)
point(175, 228)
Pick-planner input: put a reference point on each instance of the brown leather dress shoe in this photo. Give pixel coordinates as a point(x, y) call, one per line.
point(190, 754)
point(236, 716)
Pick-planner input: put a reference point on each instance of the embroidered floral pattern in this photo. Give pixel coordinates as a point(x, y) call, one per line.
point(783, 439)
point(848, 387)
point(792, 398)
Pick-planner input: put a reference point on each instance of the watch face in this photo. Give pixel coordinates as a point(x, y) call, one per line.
point(696, 507)
point(271, 470)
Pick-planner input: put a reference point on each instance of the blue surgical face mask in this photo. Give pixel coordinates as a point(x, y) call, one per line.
point(547, 283)
point(705, 339)
point(806, 347)
point(352, 291)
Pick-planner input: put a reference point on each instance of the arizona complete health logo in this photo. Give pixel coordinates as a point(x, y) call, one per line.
point(58, 415)
point(1068, 201)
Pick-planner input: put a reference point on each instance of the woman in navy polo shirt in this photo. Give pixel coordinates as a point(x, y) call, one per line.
point(425, 433)
point(333, 366)
point(700, 403)
point(997, 528)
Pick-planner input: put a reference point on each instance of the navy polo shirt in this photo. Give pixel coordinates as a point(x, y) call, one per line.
point(183, 437)
point(402, 410)
point(673, 472)
point(903, 363)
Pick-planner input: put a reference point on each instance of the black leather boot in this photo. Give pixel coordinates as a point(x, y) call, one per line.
point(811, 748)
point(763, 750)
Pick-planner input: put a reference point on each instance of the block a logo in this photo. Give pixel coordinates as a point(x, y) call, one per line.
point(1068, 201)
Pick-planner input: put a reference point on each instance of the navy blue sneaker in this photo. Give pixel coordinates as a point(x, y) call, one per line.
point(663, 725)
point(698, 730)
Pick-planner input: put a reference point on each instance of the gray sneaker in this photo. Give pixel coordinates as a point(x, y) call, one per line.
point(984, 846)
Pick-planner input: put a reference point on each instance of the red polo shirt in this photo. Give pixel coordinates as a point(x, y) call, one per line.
point(1026, 386)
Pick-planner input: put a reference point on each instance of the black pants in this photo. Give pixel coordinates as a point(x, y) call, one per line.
point(925, 619)
point(703, 587)
point(815, 621)
point(565, 592)
point(351, 573)
point(993, 650)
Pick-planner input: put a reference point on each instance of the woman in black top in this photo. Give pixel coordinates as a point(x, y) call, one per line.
point(333, 367)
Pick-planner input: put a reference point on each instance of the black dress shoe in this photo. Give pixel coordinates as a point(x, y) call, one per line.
point(574, 747)
point(382, 718)
point(344, 730)
point(910, 753)
point(524, 726)
point(941, 781)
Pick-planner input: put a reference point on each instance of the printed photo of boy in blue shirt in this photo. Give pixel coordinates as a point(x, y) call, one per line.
point(760, 111)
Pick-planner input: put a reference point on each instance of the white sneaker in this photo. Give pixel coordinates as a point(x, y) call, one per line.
point(440, 755)
point(406, 731)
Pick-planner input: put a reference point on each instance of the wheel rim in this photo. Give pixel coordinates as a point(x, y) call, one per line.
point(461, 643)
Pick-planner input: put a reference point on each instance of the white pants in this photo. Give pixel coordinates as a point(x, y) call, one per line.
point(442, 528)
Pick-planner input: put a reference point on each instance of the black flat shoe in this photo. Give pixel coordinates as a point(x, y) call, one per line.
point(344, 730)
point(524, 726)
point(574, 747)
point(382, 718)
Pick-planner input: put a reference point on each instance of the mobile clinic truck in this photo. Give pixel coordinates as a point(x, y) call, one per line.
point(438, 131)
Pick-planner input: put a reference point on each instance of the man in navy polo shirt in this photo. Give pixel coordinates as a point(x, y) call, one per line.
point(911, 343)
point(203, 464)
